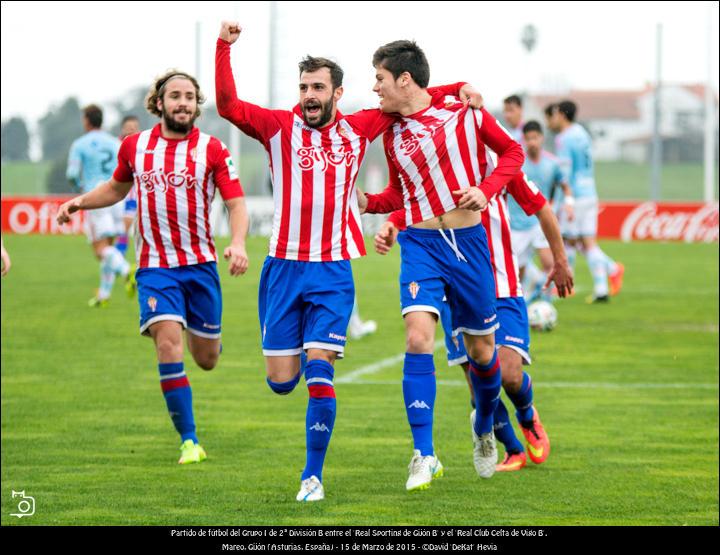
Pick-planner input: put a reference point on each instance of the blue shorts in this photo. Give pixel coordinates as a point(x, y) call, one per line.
point(186, 294)
point(452, 264)
point(513, 333)
point(130, 208)
point(304, 305)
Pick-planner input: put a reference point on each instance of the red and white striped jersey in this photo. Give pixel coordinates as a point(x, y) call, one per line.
point(496, 221)
point(439, 150)
point(313, 171)
point(175, 182)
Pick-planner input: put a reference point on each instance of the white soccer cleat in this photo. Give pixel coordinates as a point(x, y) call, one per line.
point(422, 471)
point(311, 490)
point(360, 329)
point(485, 455)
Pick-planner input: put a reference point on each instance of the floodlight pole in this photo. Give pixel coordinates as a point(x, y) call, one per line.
point(656, 161)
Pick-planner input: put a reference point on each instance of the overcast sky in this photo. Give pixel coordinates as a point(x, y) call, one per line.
point(99, 50)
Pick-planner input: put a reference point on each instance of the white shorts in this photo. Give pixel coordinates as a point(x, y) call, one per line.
point(526, 242)
point(104, 222)
point(585, 222)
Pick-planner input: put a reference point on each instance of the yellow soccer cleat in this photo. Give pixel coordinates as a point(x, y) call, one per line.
point(191, 452)
point(130, 283)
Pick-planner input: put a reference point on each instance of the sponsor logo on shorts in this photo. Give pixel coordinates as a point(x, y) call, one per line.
point(514, 339)
point(417, 404)
point(456, 342)
point(337, 337)
point(491, 319)
point(414, 289)
point(152, 303)
point(211, 326)
point(319, 427)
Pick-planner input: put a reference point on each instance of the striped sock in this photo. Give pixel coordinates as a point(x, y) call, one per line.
point(320, 416)
point(419, 390)
point(178, 396)
point(486, 379)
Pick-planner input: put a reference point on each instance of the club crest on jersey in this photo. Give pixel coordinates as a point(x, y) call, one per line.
point(157, 179)
point(152, 303)
point(414, 289)
point(312, 155)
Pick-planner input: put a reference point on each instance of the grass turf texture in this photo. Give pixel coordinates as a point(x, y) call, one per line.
point(85, 429)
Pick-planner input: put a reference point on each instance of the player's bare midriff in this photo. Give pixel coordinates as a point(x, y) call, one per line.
point(454, 219)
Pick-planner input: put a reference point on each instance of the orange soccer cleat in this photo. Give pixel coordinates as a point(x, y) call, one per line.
point(538, 442)
point(615, 280)
point(512, 462)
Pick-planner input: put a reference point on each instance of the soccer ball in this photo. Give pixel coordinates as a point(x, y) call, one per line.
point(542, 316)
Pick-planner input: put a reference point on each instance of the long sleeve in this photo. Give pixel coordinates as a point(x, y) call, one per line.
point(510, 153)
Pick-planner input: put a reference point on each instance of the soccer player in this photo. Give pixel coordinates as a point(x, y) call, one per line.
point(5, 259)
point(175, 170)
point(438, 164)
point(306, 291)
point(543, 169)
point(513, 335)
point(573, 146)
point(513, 114)
point(91, 162)
point(129, 126)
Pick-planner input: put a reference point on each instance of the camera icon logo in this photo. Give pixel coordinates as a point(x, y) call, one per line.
point(26, 504)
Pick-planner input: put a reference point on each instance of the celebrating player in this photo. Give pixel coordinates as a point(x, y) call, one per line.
point(175, 170)
point(574, 148)
point(306, 287)
point(438, 171)
point(90, 163)
point(543, 169)
point(513, 335)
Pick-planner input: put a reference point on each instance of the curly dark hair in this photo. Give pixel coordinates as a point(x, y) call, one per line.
point(157, 90)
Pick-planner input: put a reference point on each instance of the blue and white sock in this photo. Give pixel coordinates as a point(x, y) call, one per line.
point(178, 397)
point(419, 390)
point(320, 416)
point(598, 268)
point(486, 380)
point(504, 430)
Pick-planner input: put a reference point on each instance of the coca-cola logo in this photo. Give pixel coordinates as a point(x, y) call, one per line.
point(158, 180)
point(648, 221)
point(311, 155)
point(37, 216)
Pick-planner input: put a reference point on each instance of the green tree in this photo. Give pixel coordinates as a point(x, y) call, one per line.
point(15, 140)
point(59, 127)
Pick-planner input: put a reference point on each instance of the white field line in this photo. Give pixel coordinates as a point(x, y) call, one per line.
point(562, 385)
point(352, 376)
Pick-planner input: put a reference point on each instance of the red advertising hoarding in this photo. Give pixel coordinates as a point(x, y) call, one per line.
point(25, 215)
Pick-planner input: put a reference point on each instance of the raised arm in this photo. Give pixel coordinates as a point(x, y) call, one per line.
point(259, 123)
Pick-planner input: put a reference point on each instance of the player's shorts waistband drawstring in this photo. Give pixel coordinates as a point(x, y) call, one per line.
point(453, 244)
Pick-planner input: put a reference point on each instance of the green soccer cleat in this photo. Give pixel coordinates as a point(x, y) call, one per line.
point(130, 283)
point(98, 303)
point(191, 452)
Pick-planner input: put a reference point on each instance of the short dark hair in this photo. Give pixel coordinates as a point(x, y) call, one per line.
point(94, 115)
point(532, 125)
point(401, 56)
point(312, 63)
point(513, 99)
point(568, 108)
point(550, 108)
point(129, 117)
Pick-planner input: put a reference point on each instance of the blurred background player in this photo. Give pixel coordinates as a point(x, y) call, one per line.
point(543, 169)
point(357, 328)
point(178, 282)
point(5, 259)
point(129, 126)
point(513, 336)
point(513, 114)
point(91, 162)
point(573, 147)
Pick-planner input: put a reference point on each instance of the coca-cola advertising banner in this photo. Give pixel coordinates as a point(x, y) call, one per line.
point(691, 222)
point(37, 215)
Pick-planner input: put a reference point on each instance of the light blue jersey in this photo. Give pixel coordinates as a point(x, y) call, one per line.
point(545, 173)
point(574, 149)
point(92, 159)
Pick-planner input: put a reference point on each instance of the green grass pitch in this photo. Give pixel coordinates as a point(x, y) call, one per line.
point(628, 393)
